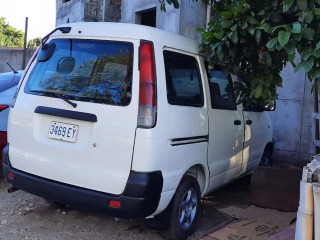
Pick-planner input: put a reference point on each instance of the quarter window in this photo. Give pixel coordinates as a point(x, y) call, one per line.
point(221, 90)
point(183, 80)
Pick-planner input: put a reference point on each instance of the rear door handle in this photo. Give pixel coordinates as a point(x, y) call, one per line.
point(237, 122)
point(248, 122)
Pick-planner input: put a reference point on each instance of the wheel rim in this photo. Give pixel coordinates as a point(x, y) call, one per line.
point(264, 161)
point(188, 208)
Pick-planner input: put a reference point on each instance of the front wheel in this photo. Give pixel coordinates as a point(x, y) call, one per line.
point(185, 211)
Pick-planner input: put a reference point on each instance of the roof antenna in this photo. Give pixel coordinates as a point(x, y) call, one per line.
point(12, 68)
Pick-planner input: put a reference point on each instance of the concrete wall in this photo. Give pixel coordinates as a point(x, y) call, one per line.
point(112, 11)
point(193, 15)
point(88, 11)
point(14, 57)
point(72, 11)
point(293, 124)
point(184, 20)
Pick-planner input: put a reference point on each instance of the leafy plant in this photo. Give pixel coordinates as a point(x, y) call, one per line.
point(254, 39)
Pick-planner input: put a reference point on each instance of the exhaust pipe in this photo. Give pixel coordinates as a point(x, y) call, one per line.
point(12, 189)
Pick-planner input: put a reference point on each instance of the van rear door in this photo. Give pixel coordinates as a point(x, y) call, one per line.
point(76, 115)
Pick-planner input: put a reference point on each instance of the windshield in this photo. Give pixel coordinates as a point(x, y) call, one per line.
point(85, 70)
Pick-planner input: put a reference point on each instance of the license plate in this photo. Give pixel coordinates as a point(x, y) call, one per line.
point(63, 131)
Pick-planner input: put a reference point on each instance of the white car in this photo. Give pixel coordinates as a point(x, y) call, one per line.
point(8, 86)
point(127, 120)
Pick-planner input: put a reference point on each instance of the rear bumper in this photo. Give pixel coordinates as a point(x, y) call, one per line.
point(139, 199)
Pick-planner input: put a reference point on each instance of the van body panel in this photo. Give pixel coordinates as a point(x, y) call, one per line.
point(225, 146)
point(258, 133)
point(99, 159)
point(197, 129)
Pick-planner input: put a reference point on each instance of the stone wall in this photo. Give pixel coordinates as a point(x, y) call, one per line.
point(14, 57)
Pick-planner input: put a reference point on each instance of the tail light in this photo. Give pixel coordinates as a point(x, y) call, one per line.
point(3, 107)
point(147, 95)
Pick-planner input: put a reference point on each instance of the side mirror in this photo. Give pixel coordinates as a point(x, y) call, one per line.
point(66, 65)
point(45, 52)
point(271, 106)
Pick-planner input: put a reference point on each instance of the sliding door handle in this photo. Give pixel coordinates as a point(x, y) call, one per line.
point(248, 122)
point(237, 122)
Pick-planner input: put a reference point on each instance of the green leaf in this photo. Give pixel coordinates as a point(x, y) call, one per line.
point(234, 37)
point(268, 59)
point(306, 52)
point(302, 4)
point(213, 47)
point(291, 57)
point(306, 65)
point(265, 27)
point(287, 4)
point(297, 36)
point(200, 30)
point(258, 92)
point(318, 44)
point(252, 20)
point(226, 15)
point(314, 73)
point(308, 33)
point(207, 35)
point(296, 27)
point(258, 36)
point(316, 53)
point(226, 24)
point(218, 35)
point(272, 42)
point(234, 27)
point(316, 11)
point(283, 37)
point(290, 47)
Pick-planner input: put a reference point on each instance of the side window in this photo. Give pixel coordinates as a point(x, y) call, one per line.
point(183, 80)
point(221, 90)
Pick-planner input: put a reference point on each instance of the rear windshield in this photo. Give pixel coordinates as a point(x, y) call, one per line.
point(85, 70)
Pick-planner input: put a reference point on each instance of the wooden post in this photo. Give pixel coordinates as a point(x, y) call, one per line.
point(25, 44)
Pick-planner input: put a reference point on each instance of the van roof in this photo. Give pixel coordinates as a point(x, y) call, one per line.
point(126, 31)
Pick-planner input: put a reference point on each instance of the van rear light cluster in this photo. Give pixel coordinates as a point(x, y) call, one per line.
point(147, 93)
point(3, 107)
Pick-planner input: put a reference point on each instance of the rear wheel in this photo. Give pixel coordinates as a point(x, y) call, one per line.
point(185, 209)
point(266, 159)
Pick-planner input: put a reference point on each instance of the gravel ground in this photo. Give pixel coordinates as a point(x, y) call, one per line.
point(25, 216)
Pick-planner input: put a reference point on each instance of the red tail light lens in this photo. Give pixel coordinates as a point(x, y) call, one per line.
point(3, 107)
point(147, 95)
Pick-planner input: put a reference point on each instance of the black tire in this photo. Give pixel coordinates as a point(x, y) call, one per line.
point(266, 159)
point(185, 209)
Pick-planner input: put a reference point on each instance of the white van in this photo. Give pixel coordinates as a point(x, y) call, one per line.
point(126, 120)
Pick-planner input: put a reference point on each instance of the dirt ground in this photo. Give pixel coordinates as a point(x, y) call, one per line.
point(25, 216)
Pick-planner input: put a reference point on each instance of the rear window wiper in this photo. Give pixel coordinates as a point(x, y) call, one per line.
point(56, 95)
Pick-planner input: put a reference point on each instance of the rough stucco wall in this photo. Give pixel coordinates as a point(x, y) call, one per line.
point(168, 21)
point(292, 121)
point(192, 16)
point(112, 11)
point(72, 11)
point(94, 10)
point(14, 57)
